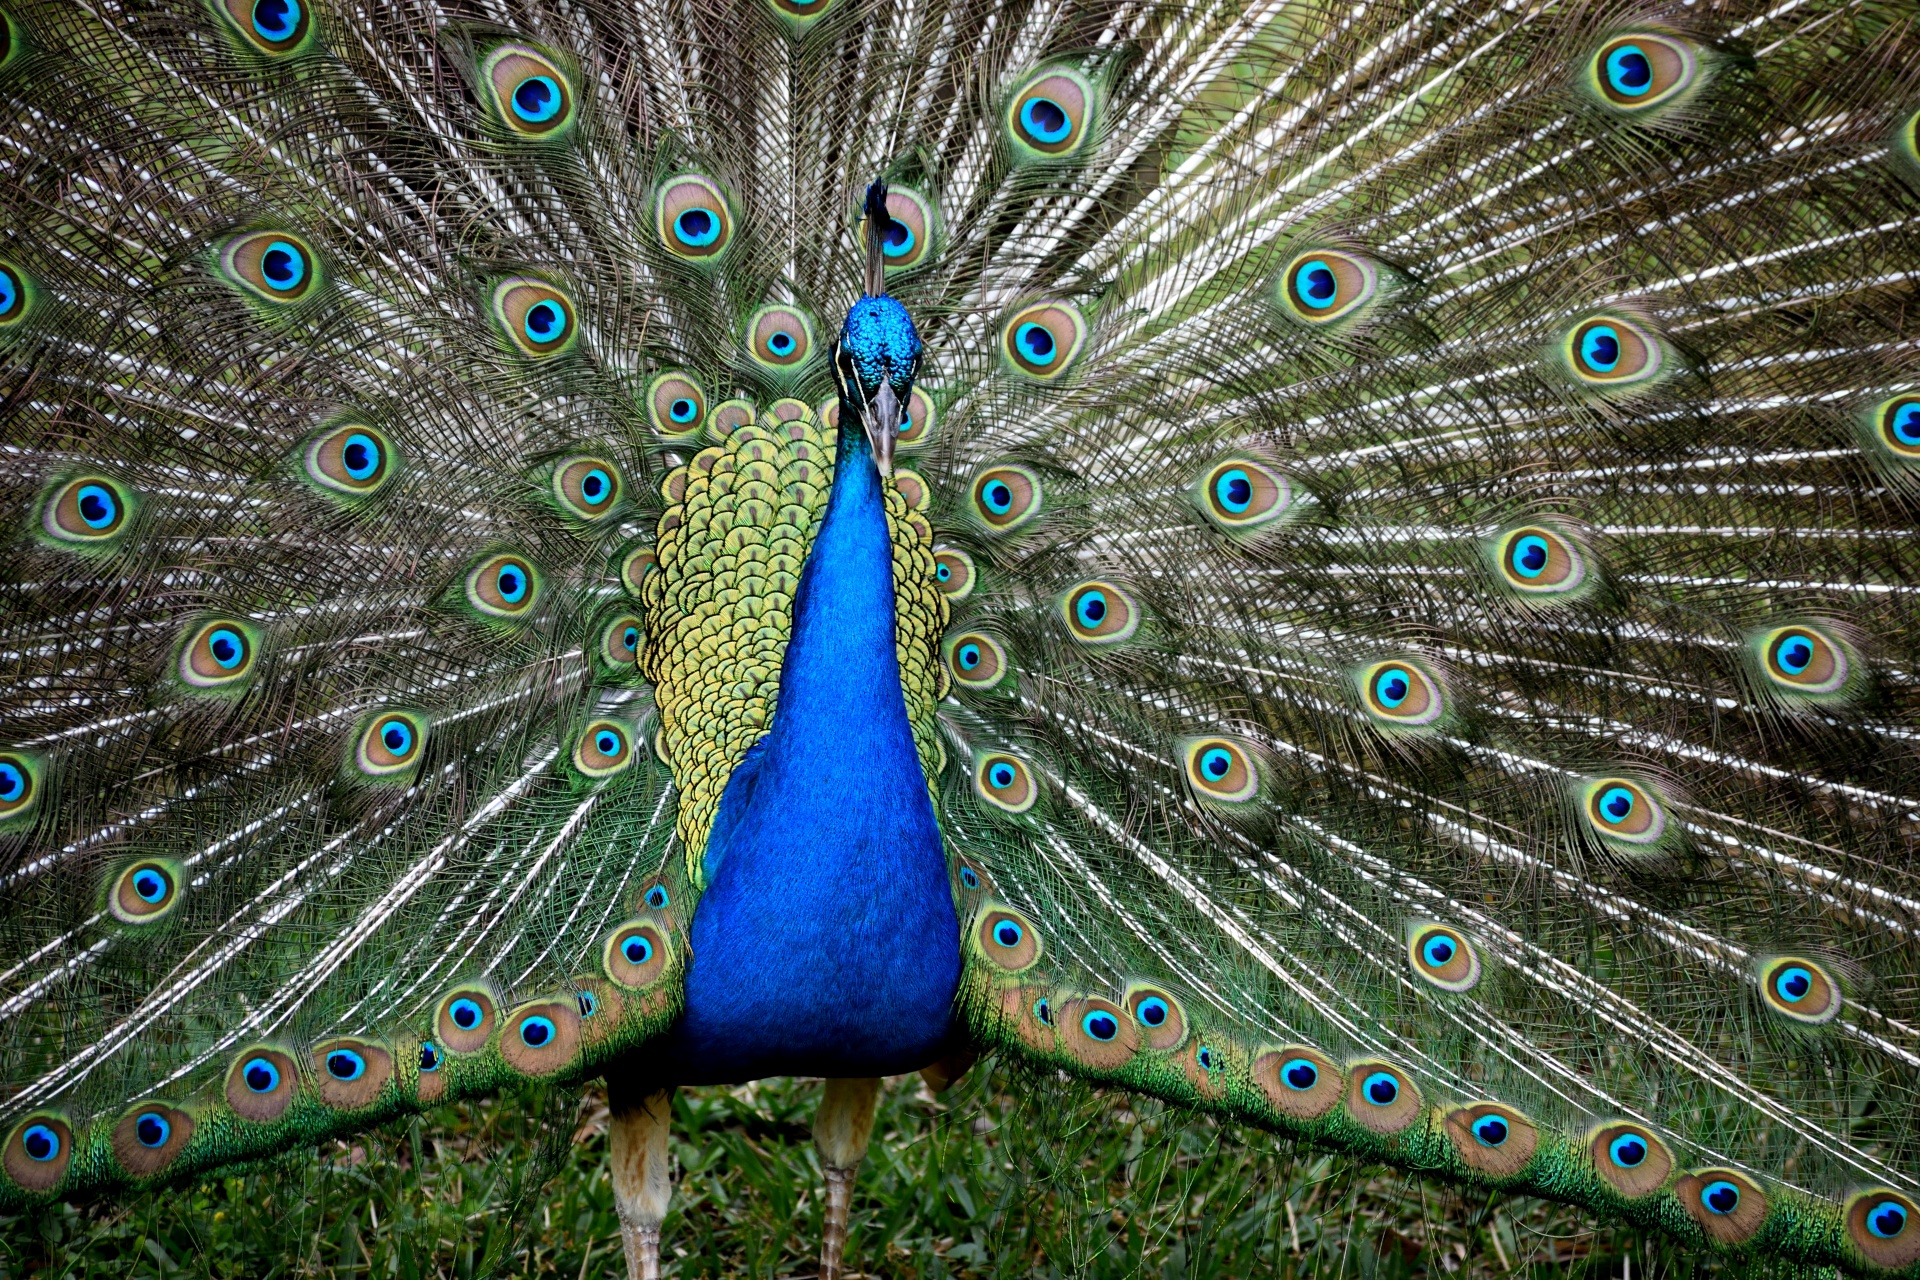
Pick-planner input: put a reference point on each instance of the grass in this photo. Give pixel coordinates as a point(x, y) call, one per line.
point(1005, 1176)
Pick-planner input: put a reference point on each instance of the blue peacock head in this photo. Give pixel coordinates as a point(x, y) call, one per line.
point(879, 349)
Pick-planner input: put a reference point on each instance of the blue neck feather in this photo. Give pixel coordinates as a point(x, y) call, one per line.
point(826, 941)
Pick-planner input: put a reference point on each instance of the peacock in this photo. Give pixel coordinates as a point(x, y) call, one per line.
point(1349, 567)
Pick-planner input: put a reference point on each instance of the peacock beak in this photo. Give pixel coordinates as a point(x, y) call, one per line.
point(881, 418)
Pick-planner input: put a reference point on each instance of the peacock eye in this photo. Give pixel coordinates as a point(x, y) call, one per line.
point(1151, 1011)
point(536, 1032)
point(1628, 1150)
point(1800, 989)
point(1299, 1073)
point(276, 266)
point(675, 404)
point(1401, 695)
point(604, 749)
point(1610, 351)
point(907, 238)
point(390, 744)
point(620, 644)
point(260, 1075)
point(658, 898)
point(466, 1014)
point(587, 1003)
point(1240, 494)
point(637, 950)
point(1043, 1010)
point(40, 1142)
point(537, 319)
point(1100, 613)
point(1633, 72)
point(1205, 1057)
point(17, 786)
point(636, 954)
point(345, 1065)
point(1221, 770)
point(1048, 117)
point(1006, 497)
point(1803, 660)
point(1899, 420)
point(969, 878)
point(144, 892)
point(503, 586)
point(779, 337)
point(1538, 562)
point(1444, 957)
point(1100, 1025)
point(1007, 941)
point(976, 661)
point(352, 459)
point(270, 26)
point(1004, 782)
point(1490, 1130)
point(1887, 1219)
point(465, 1020)
point(89, 510)
point(1720, 1196)
point(953, 572)
point(587, 488)
point(13, 292)
point(1042, 341)
point(635, 564)
point(429, 1056)
point(218, 655)
point(1326, 285)
point(1623, 810)
point(531, 96)
point(692, 218)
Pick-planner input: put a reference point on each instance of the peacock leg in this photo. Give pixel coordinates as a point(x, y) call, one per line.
point(640, 1186)
point(840, 1133)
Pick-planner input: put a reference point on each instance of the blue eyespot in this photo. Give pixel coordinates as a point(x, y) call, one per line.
point(1316, 283)
point(227, 648)
point(1045, 120)
point(1100, 1025)
point(630, 639)
point(941, 572)
point(1629, 71)
point(1795, 655)
point(1438, 950)
point(1628, 1150)
point(1043, 1010)
point(1090, 608)
point(1720, 1196)
point(1600, 348)
point(537, 99)
point(1490, 1131)
point(150, 884)
point(97, 506)
point(1380, 1089)
point(657, 897)
point(260, 1075)
point(536, 1032)
point(1886, 1220)
point(1300, 1074)
point(546, 321)
point(512, 585)
point(1037, 345)
point(1001, 776)
point(897, 240)
point(683, 410)
point(1152, 1011)
point(998, 497)
point(969, 656)
point(969, 878)
point(13, 782)
point(1233, 490)
point(9, 293)
point(637, 950)
point(360, 455)
point(396, 737)
point(1391, 686)
point(1615, 804)
point(152, 1129)
point(41, 1142)
point(276, 20)
point(1903, 424)
point(780, 342)
point(283, 266)
point(595, 487)
point(466, 1014)
point(1215, 761)
point(1529, 556)
point(696, 228)
point(588, 1003)
point(429, 1056)
point(345, 1064)
point(1205, 1057)
point(1793, 984)
point(1008, 933)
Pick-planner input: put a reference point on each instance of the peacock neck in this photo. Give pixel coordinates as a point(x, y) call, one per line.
point(826, 941)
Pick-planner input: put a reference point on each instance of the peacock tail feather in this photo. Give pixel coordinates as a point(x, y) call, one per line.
point(1403, 542)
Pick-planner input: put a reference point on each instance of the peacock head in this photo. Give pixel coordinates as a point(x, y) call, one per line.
point(879, 350)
